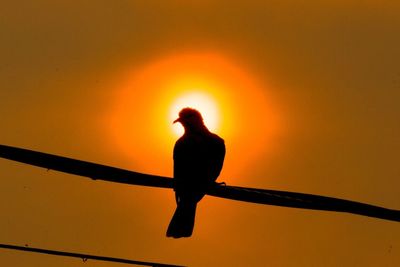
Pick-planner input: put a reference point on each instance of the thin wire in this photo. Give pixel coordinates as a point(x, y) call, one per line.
point(85, 257)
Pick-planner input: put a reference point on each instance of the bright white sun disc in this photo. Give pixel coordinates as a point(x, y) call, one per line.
point(200, 101)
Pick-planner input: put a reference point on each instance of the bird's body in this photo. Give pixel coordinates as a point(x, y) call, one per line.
point(198, 159)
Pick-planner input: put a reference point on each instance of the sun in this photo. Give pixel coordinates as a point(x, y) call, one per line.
point(200, 101)
point(234, 104)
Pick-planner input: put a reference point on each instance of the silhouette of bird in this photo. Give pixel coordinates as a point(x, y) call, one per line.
point(198, 159)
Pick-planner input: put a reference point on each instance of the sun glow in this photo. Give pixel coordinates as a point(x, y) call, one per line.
point(233, 104)
point(201, 101)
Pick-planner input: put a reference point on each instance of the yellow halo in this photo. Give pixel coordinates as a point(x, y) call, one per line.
point(234, 104)
point(200, 101)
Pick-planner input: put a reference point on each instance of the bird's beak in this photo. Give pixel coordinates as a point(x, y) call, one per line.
point(177, 120)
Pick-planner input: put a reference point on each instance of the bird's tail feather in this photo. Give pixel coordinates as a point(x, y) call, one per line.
point(182, 222)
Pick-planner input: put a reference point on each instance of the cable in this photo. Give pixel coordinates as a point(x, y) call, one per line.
point(85, 257)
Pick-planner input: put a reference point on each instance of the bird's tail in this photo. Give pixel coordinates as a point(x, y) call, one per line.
point(182, 222)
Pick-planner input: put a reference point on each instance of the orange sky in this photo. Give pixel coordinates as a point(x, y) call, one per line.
point(140, 121)
point(308, 98)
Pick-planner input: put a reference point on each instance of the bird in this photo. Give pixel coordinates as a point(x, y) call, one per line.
point(198, 160)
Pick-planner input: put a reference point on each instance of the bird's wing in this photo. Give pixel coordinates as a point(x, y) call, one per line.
point(254, 195)
point(83, 168)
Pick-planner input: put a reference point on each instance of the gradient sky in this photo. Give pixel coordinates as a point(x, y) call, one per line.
point(319, 84)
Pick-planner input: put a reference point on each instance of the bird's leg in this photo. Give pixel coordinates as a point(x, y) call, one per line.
point(177, 198)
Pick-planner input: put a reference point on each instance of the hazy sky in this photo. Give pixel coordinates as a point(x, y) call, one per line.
point(319, 82)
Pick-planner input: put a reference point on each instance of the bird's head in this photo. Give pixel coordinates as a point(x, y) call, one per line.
point(190, 119)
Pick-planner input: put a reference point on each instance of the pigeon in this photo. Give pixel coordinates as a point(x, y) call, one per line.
point(198, 159)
